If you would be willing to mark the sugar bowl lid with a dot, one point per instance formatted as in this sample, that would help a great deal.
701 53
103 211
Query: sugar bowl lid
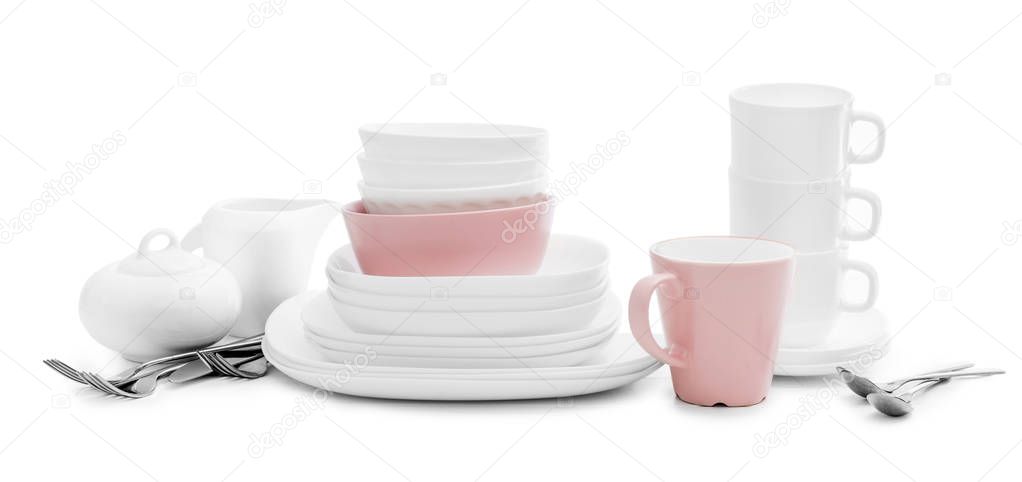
167 261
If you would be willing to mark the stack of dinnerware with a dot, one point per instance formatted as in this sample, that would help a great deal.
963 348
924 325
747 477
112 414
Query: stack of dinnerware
440 168
453 287
553 333
451 200
789 182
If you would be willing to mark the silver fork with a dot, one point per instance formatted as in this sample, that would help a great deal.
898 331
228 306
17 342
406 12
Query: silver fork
143 387
217 363
133 373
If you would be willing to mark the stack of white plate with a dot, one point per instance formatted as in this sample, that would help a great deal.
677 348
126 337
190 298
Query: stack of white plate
550 334
437 168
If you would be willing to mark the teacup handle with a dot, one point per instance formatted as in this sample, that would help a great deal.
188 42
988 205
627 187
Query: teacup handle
872 290
192 240
638 319
881 139
873 201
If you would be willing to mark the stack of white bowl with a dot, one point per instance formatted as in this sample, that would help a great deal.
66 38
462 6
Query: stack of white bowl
790 183
441 168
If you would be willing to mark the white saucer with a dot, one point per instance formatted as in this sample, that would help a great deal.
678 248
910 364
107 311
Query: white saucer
856 336
620 363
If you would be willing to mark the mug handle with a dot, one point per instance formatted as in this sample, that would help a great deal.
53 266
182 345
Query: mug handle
873 200
193 240
638 319
872 291
880 141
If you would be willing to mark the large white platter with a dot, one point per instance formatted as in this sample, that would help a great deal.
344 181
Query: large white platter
621 362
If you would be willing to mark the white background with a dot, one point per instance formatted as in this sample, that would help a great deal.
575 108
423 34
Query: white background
215 106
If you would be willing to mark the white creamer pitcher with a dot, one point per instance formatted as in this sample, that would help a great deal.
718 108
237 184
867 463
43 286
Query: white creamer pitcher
267 244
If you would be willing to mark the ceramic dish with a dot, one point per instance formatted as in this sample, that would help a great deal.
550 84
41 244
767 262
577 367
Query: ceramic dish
499 241
319 317
463 304
475 323
317 312
285 337
453 389
447 175
857 338
453 142
387 200
565 358
572 264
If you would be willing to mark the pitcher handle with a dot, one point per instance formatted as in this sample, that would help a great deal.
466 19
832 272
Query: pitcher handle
638 319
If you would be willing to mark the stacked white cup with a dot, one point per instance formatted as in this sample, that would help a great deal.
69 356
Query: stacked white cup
789 182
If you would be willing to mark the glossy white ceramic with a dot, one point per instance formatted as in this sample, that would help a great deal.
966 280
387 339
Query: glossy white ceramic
439 302
449 142
620 363
572 264
475 323
386 200
157 302
818 296
320 318
447 175
856 340
796 132
810 216
268 245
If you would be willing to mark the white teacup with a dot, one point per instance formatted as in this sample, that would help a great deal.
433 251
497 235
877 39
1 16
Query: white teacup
796 132
810 216
817 296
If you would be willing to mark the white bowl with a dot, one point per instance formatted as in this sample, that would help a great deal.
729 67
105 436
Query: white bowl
387 200
447 175
441 302
475 323
571 264
453 142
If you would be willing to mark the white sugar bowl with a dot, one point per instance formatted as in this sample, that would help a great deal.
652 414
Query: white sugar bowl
159 302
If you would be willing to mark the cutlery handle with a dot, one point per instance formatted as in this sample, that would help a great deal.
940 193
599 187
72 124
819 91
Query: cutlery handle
956 374
638 319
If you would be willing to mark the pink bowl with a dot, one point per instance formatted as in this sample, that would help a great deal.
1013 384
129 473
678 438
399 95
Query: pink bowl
503 241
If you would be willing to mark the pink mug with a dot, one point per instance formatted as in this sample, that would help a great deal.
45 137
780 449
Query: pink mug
722 300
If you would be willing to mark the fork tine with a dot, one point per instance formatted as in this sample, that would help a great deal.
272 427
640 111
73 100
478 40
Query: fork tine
235 371
94 383
108 387
225 367
63 369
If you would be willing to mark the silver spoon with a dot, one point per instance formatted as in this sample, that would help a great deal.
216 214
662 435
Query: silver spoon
863 386
897 406
901 404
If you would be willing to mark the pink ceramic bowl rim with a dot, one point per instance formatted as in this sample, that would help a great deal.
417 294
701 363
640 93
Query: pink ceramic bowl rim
790 256
357 209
